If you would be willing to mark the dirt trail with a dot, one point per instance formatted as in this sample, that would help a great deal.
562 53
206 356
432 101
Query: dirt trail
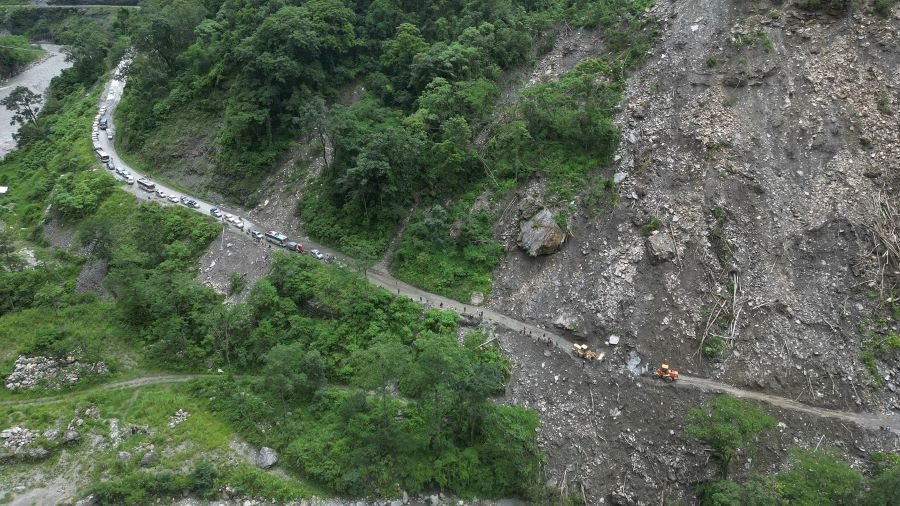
117 385
380 277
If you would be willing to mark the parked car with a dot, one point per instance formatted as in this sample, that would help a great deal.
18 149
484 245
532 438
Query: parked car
120 171
111 165
109 135
215 212
173 199
256 234
161 194
318 254
193 203
130 180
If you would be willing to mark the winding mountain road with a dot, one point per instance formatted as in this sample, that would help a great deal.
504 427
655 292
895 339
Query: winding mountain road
381 278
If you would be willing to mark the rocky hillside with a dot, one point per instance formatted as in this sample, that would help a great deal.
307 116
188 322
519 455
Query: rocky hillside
756 143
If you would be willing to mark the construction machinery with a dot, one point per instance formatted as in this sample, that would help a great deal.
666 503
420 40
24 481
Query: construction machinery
581 351
667 373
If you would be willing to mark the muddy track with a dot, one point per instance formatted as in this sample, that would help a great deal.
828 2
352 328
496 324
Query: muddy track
116 385
380 277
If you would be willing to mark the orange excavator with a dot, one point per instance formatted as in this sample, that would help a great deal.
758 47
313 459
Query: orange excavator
666 373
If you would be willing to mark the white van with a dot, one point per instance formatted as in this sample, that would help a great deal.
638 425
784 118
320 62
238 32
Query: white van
103 155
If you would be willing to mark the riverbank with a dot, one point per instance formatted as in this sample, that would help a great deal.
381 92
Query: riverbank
17 55
36 77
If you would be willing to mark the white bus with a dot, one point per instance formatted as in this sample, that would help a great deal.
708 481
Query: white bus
146 185
104 156
276 237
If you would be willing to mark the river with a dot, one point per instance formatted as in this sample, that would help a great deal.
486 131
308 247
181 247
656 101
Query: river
36 78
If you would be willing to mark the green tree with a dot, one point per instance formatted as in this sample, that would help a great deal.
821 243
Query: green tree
292 373
227 324
819 477
757 491
8 249
376 367
24 104
883 488
729 426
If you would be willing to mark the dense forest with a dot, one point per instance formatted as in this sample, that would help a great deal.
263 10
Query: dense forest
244 81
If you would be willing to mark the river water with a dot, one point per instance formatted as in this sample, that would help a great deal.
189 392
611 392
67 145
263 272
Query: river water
36 78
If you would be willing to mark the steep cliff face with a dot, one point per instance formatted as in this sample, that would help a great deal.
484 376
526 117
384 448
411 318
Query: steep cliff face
755 141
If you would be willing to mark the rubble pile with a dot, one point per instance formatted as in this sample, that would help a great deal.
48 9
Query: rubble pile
179 416
51 373
16 437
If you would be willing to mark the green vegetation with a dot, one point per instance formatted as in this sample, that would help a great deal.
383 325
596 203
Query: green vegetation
449 251
15 54
713 346
878 346
247 81
883 103
652 225
883 7
340 422
236 283
711 61
729 426
757 37
814 477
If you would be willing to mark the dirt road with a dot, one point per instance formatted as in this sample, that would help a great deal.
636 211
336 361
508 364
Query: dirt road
383 279
116 385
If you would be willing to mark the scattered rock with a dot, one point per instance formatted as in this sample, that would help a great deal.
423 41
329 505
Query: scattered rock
540 235
124 455
566 321
661 247
179 416
613 340
87 501
71 436
52 373
16 437
148 458
476 298
266 458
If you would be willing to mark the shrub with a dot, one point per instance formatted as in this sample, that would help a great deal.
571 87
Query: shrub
728 426
713 346
652 224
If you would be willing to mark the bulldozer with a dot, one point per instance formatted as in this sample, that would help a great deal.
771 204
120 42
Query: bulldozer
581 351
667 373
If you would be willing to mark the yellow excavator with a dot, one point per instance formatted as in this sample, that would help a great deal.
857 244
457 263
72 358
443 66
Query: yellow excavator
581 351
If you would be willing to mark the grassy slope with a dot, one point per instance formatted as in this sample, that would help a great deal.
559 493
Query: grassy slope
203 436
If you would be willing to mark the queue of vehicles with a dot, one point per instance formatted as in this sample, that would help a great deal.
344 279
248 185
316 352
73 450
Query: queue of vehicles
101 122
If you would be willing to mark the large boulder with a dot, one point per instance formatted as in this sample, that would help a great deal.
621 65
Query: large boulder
266 458
540 235
661 247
